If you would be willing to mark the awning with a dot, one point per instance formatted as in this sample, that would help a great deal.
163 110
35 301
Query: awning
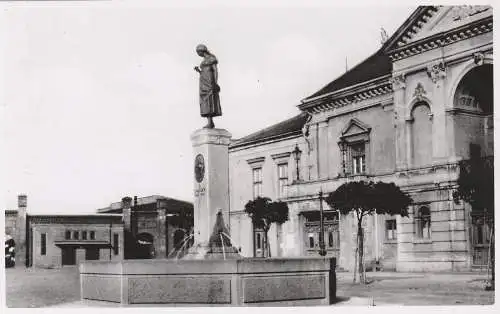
100 244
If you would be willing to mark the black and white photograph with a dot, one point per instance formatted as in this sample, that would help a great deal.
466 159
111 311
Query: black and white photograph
247 154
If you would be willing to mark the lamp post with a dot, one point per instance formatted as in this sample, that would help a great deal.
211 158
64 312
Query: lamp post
322 250
296 154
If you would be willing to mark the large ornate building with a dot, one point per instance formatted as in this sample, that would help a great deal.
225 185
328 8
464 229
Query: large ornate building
407 114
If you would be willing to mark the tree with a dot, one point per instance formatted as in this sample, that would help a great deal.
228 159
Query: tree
265 212
365 198
476 187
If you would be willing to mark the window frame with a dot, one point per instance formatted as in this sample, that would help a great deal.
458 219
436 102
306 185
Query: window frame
420 222
257 182
282 178
391 234
355 134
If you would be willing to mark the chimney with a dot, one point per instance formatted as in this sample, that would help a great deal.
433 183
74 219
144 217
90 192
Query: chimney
22 201
20 237
126 202
127 226
135 201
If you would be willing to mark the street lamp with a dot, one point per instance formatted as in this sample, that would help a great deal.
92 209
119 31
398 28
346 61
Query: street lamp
322 250
296 154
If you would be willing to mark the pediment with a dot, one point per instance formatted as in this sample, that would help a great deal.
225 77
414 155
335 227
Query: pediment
355 127
429 21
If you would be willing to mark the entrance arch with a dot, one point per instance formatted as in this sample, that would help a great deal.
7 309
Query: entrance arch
475 90
473 105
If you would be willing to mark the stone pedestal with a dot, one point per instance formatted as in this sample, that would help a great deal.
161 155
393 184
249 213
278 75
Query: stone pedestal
211 180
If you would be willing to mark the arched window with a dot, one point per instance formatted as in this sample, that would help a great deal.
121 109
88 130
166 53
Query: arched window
423 223
421 135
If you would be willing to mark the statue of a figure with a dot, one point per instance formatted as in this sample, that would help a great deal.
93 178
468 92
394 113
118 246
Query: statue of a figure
209 89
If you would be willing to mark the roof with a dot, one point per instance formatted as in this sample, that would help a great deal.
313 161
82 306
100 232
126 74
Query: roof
171 203
292 126
375 66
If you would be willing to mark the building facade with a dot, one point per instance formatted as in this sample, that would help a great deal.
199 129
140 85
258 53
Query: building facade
144 228
408 114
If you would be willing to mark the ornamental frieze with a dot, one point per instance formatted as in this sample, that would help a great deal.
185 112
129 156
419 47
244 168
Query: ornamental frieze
478 58
398 82
436 71
419 92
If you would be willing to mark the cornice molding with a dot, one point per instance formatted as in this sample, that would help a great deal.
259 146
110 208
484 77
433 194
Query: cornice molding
442 39
335 102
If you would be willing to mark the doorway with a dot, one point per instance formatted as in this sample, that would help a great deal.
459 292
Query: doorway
68 256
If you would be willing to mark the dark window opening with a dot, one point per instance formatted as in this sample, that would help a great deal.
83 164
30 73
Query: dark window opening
43 245
115 244
76 235
67 235
92 254
84 235
311 241
92 235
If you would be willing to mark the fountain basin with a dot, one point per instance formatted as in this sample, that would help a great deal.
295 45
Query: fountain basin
236 282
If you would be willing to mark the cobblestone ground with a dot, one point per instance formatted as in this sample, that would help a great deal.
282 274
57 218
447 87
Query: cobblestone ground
417 289
49 287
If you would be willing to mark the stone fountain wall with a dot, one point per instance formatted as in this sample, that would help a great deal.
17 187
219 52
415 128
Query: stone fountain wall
238 282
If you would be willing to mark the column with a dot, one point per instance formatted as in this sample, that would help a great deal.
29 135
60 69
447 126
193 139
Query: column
160 242
323 149
437 73
399 87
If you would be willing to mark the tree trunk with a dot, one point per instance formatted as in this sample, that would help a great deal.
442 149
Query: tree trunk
360 252
492 257
266 243
355 259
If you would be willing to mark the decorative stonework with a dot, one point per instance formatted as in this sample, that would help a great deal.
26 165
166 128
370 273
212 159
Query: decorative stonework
464 11
436 71
419 92
398 82
478 58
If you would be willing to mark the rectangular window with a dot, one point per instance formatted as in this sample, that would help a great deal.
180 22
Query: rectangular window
43 246
390 229
257 182
76 235
330 239
67 235
92 235
423 223
358 158
282 178
311 240
84 235
115 243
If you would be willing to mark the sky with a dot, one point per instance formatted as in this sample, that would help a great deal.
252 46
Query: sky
100 99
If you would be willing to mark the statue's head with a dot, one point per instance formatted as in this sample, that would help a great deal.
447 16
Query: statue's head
201 50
